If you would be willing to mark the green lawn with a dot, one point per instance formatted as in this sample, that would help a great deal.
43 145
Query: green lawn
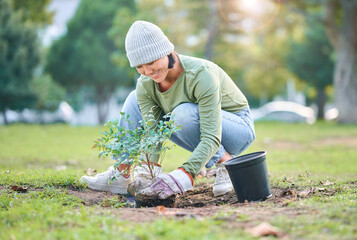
50 158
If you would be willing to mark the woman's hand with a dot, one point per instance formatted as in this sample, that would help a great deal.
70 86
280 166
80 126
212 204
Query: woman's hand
167 184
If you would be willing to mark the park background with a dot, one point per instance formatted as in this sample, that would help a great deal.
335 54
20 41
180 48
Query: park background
63 73
68 58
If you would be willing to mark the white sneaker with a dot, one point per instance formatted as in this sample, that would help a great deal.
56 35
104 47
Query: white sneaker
103 181
223 183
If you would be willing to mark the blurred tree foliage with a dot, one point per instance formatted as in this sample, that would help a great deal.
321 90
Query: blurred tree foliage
339 18
49 93
123 19
310 59
19 56
214 30
189 26
212 38
218 30
82 58
254 54
34 11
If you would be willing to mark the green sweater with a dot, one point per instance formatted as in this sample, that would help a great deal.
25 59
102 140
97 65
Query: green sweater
204 83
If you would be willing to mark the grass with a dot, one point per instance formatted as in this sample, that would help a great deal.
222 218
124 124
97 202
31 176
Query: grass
48 159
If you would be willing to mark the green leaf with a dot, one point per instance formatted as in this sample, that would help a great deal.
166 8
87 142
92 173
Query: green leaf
101 154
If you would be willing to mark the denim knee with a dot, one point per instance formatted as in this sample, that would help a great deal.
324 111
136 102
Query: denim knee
132 96
131 108
185 114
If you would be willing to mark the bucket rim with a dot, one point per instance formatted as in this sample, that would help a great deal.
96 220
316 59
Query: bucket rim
245 158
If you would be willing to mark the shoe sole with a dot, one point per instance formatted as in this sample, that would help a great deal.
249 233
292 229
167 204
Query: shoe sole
112 189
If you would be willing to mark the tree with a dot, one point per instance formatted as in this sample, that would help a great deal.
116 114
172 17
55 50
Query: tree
34 11
311 61
82 58
339 18
344 40
18 57
260 50
49 93
123 19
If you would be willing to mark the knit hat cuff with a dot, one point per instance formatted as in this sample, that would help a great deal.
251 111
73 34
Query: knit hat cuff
150 53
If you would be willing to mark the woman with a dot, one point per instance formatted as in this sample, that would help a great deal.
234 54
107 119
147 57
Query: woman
214 114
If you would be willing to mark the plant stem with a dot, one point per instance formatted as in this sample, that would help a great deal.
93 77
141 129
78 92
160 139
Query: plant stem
149 165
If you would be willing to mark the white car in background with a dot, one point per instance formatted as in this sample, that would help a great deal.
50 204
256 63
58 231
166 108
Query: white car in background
284 111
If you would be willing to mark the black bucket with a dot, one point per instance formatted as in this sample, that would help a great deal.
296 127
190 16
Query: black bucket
249 176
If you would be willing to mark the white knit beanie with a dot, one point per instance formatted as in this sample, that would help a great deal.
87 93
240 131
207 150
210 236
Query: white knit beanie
145 42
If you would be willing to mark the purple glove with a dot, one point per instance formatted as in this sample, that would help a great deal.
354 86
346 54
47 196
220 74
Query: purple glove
167 184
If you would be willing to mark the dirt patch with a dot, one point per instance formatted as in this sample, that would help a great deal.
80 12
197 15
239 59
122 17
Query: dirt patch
90 197
245 212
200 204
242 215
346 141
200 196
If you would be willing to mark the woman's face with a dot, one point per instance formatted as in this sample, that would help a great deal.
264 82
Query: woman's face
156 70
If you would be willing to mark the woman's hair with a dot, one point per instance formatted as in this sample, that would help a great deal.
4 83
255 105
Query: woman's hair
171 60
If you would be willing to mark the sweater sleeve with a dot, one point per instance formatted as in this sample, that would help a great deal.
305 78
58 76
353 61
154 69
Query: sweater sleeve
208 94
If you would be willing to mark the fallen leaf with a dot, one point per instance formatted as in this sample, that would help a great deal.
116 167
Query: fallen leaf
19 188
264 229
286 203
161 210
288 180
304 193
328 183
329 193
91 172
289 192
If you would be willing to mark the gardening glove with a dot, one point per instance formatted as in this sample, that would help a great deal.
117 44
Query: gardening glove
143 178
167 184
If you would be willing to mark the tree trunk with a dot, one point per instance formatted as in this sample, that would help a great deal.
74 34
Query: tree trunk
102 101
4 116
321 101
102 108
346 86
212 29
345 81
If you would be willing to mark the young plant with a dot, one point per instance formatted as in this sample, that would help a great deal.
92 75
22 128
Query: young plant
144 144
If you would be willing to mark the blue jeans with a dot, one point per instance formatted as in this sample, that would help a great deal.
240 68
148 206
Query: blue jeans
237 128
